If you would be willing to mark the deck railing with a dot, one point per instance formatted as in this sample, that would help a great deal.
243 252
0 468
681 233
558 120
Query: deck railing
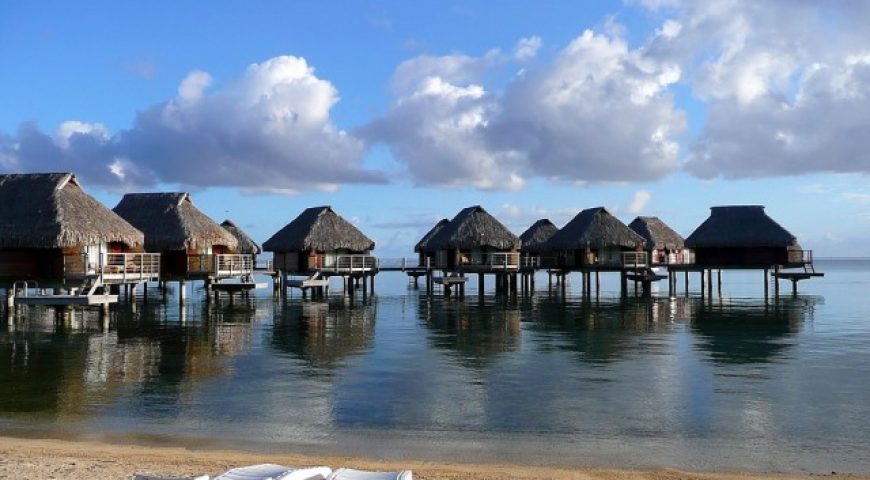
801 258
493 260
635 260
351 263
223 265
234 265
113 267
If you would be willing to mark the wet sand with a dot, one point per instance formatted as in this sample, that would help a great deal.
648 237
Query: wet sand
67 459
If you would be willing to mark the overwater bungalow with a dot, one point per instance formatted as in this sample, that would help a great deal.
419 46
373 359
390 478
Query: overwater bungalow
596 240
247 245
664 246
533 243
192 245
319 243
743 236
54 235
474 241
426 255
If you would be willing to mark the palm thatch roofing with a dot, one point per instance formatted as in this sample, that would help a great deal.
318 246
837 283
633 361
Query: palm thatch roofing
318 229
656 233
535 236
247 245
473 228
594 228
170 221
422 246
50 210
740 226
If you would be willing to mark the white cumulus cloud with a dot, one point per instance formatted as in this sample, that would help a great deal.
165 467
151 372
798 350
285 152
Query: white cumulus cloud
785 82
527 47
600 112
270 129
639 201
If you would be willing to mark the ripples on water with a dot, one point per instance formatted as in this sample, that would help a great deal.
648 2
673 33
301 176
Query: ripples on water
726 382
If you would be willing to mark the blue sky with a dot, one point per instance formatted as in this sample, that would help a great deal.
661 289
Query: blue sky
400 113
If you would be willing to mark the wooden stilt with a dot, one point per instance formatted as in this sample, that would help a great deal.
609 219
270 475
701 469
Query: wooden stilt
710 282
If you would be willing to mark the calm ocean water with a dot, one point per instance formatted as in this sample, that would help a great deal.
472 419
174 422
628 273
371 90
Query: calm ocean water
730 382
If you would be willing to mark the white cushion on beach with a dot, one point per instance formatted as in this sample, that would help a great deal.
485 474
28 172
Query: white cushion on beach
350 474
270 471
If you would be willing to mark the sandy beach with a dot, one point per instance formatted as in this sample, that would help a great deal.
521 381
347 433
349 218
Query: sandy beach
65 459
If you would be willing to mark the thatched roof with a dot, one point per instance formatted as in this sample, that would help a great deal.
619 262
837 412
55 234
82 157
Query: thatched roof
472 228
740 226
656 233
247 244
422 244
170 221
50 210
594 228
535 236
318 229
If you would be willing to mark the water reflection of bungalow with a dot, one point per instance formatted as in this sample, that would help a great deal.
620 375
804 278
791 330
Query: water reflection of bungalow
55 234
749 333
596 240
603 332
318 244
476 335
192 245
534 241
426 254
664 246
324 334
37 374
247 245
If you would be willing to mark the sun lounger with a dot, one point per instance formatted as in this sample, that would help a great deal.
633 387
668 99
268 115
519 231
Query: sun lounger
270 471
140 476
350 474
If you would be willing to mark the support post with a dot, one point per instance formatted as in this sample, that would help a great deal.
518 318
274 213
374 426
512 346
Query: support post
480 284
182 291
710 282
776 282
766 283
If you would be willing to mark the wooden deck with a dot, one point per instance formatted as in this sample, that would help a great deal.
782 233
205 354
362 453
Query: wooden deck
450 280
66 300
237 287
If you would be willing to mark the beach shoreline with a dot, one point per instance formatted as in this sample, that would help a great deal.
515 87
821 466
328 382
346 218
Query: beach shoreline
84 459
